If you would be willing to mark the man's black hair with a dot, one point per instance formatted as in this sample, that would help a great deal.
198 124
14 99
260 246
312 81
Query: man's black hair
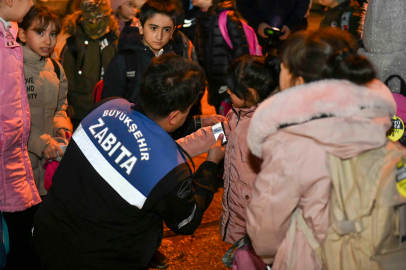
170 83
170 8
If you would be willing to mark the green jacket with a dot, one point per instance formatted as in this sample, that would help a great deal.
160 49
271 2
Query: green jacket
85 65
334 17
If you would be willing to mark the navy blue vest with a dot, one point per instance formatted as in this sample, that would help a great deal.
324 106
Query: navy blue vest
129 151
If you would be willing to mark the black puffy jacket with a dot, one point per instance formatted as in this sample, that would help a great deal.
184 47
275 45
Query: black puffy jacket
213 53
117 75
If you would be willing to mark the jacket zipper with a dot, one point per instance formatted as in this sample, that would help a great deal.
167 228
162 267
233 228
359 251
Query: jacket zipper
229 184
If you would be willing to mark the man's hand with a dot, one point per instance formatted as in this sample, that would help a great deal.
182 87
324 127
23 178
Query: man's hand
261 29
209 120
285 31
52 149
217 151
70 111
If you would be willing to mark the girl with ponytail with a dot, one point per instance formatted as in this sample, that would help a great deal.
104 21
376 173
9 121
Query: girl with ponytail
330 103
250 80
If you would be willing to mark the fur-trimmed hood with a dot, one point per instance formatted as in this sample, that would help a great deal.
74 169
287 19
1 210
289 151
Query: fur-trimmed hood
343 117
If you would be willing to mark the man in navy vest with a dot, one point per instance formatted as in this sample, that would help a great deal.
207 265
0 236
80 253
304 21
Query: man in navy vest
122 175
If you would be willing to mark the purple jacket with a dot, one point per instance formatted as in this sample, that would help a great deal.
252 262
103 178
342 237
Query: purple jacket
17 187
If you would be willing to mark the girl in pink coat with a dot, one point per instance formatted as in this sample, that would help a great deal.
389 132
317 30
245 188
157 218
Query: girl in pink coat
251 79
18 194
330 103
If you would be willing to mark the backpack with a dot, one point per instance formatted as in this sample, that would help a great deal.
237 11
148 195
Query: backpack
97 92
367 214
131 76
253 45
56 68
241 256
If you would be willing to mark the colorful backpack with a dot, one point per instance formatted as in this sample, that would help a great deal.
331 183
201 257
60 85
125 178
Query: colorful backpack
253 45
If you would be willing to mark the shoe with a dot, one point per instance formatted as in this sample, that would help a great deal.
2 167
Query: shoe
158 261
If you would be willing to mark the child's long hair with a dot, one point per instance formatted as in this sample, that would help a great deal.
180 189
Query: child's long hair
329 53
256 72
44 15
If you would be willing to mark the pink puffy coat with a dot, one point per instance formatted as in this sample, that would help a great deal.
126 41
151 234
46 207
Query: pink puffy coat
240 170
293 132
17 187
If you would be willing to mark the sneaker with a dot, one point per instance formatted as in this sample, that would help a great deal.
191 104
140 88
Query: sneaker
158 261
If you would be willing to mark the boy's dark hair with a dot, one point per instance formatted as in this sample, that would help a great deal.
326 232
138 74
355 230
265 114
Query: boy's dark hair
170 8
44 15
328 53
170 83
257 72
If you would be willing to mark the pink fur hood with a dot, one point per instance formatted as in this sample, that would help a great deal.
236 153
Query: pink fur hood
344 115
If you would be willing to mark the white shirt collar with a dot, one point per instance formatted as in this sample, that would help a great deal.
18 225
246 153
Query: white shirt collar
7 25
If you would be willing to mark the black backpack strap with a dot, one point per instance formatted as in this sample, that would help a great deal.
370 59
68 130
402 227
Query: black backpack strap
56 68
130 72
71 43
402 83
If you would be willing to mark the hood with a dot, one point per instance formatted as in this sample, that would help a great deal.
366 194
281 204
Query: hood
383 34
70 23
131 39
346 119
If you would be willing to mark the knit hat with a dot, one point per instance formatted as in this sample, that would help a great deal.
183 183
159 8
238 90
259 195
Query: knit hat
384 37
115 4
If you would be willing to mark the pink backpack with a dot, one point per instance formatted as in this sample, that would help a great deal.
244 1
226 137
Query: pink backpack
253 45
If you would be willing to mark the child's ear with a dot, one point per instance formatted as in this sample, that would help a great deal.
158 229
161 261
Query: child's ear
254 94
10 3
299 81
140 29
22 35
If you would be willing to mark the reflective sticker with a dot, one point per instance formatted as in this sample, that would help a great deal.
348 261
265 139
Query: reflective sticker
397 129
401 178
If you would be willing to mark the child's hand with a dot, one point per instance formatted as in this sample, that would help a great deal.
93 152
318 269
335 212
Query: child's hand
65 134
70 111
61 133
209 120
52 150
217 151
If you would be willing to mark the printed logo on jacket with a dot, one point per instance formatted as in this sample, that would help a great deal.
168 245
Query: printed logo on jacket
129 151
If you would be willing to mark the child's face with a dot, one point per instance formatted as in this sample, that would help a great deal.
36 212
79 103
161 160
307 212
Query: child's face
238 102
40 42
157 31
203 4
127 11
18 9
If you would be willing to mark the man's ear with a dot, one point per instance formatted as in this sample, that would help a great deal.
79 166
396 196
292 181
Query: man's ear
173 117
22 35
140 29
10 3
